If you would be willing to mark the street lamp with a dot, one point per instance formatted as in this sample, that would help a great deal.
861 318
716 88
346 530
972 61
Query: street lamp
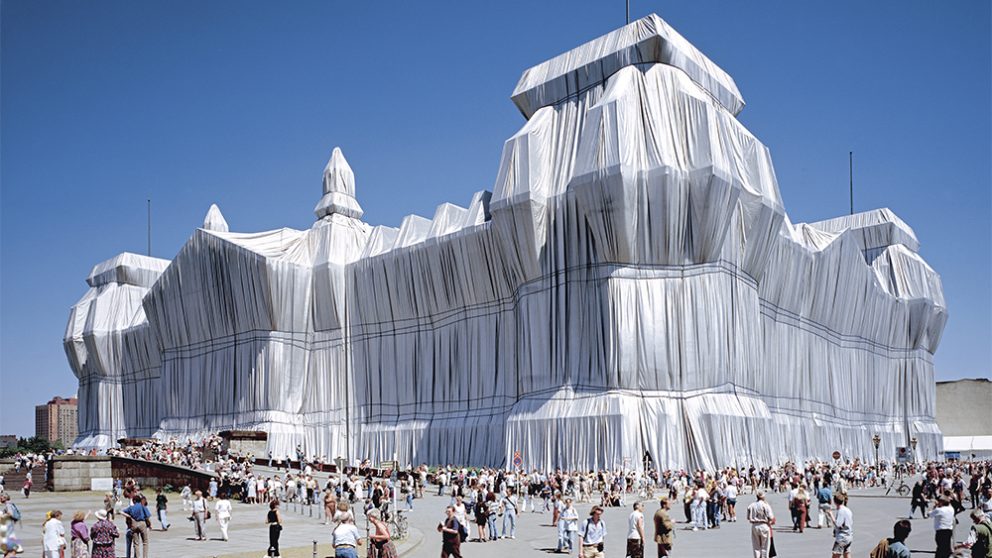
876 440
912 443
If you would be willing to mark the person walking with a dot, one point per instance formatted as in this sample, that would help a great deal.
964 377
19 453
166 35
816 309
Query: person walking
139 517
161 508
571 519
274 521
843 520
561 524
223 508
699 499
824 495
800 503
26 487
592 535
761 518
103 536
492 514
200 511
664 527
451 535
330 505
187 497
54 535
509 516
731 494
80 533
635 532
943 527
918 500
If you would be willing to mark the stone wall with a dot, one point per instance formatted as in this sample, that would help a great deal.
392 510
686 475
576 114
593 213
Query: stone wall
76 472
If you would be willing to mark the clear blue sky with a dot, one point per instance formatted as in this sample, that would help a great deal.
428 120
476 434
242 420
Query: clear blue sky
105 104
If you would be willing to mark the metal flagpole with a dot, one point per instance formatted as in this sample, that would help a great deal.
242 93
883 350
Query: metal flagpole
850 170
149 226
628 11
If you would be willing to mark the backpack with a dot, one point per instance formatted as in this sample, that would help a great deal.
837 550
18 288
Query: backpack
880 550
15 513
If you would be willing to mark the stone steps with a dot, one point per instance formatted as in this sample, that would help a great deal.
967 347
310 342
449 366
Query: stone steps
14 480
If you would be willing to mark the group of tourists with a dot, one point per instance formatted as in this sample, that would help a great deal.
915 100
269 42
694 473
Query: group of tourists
485 504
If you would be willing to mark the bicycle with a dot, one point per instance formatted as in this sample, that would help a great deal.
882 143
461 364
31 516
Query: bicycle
399 526
903 489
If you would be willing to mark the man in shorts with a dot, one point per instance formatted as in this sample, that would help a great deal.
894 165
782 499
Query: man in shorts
843 521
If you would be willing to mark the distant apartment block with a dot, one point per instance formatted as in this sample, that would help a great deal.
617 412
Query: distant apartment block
8 441
56 421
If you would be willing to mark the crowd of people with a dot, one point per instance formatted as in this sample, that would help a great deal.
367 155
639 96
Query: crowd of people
485 504
816 493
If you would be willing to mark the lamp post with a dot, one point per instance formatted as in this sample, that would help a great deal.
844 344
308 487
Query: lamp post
875 441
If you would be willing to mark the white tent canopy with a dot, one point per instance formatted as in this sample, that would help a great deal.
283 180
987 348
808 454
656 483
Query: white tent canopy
968 444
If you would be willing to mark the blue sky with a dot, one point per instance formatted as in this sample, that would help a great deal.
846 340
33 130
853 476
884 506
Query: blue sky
240 103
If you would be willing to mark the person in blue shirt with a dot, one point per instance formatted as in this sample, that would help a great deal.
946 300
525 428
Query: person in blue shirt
823 497
138 516
897 544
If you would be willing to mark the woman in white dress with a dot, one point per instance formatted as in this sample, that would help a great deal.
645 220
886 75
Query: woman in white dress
223 507
252 490
54 535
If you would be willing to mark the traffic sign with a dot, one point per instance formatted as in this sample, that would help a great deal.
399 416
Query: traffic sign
836 454
518 459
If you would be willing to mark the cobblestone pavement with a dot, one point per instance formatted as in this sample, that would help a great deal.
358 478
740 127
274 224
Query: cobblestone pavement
874 515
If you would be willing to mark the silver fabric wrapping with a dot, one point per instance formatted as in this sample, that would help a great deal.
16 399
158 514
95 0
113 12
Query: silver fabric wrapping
632 284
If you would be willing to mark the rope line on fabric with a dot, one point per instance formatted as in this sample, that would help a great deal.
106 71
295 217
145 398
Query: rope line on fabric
432 322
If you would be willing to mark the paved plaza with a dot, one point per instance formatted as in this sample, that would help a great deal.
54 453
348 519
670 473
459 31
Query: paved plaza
874 515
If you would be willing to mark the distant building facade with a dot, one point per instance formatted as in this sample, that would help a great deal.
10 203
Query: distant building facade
56 421
964 414
8 441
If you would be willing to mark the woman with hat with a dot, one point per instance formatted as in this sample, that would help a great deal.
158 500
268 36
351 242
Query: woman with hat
102 536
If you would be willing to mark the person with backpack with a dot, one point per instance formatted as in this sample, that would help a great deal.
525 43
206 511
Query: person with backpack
452 534
592 535
9 516
894 547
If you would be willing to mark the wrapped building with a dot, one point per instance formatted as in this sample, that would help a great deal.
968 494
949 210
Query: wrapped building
631 284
